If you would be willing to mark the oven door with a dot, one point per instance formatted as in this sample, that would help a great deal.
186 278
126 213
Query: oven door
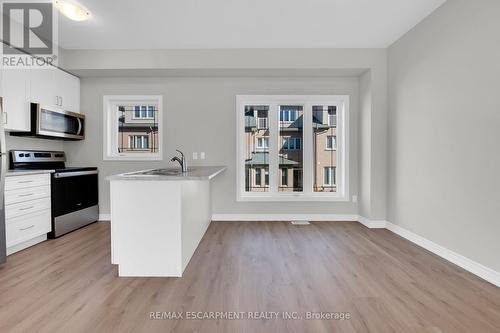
73 191
58 123
74 201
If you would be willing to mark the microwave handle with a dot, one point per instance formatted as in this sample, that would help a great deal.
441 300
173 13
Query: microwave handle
79 126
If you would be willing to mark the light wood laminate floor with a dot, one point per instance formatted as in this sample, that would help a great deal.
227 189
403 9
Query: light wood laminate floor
384 282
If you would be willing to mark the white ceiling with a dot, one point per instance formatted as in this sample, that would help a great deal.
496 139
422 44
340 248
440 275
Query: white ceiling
161 24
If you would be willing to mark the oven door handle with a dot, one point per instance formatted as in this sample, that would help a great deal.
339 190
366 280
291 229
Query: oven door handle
74 174
79 126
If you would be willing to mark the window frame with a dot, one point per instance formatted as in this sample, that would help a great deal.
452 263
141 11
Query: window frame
110 126
330 117
334 146
284 176
332 171
307 101
264 139
288 140
134 139
146 111
266 121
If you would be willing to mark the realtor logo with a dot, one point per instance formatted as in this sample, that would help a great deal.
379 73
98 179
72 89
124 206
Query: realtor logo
28 30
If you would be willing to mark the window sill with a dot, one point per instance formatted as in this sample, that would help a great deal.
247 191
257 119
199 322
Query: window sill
133 158
292 198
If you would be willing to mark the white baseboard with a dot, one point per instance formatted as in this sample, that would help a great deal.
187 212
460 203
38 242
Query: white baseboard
469 265
104 217
283 217
372 224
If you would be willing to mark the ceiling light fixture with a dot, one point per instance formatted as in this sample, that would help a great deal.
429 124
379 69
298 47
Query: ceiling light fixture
72 10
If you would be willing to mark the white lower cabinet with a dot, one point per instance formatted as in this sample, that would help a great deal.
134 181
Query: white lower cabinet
27 211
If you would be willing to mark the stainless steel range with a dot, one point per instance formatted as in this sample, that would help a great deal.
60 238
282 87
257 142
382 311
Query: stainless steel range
74 190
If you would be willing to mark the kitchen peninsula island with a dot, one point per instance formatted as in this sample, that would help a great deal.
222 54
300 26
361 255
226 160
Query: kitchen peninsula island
158 218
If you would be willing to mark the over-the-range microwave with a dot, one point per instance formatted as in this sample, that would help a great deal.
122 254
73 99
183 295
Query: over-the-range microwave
51 123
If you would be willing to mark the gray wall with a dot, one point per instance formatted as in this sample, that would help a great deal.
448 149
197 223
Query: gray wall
14 142
444 156
266 63
200 116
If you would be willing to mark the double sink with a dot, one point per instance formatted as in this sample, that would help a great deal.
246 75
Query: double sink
159 172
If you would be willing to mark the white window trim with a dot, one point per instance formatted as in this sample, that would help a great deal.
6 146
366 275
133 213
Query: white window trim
110 103
307 101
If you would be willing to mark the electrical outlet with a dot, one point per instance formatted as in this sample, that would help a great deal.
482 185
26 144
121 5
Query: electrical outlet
202 155
354 198
195 156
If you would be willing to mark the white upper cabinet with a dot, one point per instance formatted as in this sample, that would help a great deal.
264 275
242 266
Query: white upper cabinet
56 89
52 88
67 88
43 87
16 99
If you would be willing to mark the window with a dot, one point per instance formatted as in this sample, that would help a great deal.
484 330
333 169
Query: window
258 176
137 142
144 111
132 127
263 143
288 114
261 123
284 177
325 139
331 142
290 143
332 116
292 148
329 176
261 177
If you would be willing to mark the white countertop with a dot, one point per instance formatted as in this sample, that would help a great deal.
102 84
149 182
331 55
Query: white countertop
11 173
195 173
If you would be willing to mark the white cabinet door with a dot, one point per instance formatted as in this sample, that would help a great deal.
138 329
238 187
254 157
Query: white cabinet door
16 92
74 96
43 89
68 90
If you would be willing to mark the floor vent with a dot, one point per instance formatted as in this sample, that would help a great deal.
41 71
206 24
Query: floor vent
300 222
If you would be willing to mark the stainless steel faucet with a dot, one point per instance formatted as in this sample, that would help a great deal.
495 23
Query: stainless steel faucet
182 161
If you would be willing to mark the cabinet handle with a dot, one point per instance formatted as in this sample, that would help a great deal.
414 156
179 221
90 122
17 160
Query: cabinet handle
61 100
25 181
26 208
31 226
5 121
25 195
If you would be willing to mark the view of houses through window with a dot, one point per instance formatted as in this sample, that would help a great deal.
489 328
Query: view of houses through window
257 148
137 129
324 120
291 147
